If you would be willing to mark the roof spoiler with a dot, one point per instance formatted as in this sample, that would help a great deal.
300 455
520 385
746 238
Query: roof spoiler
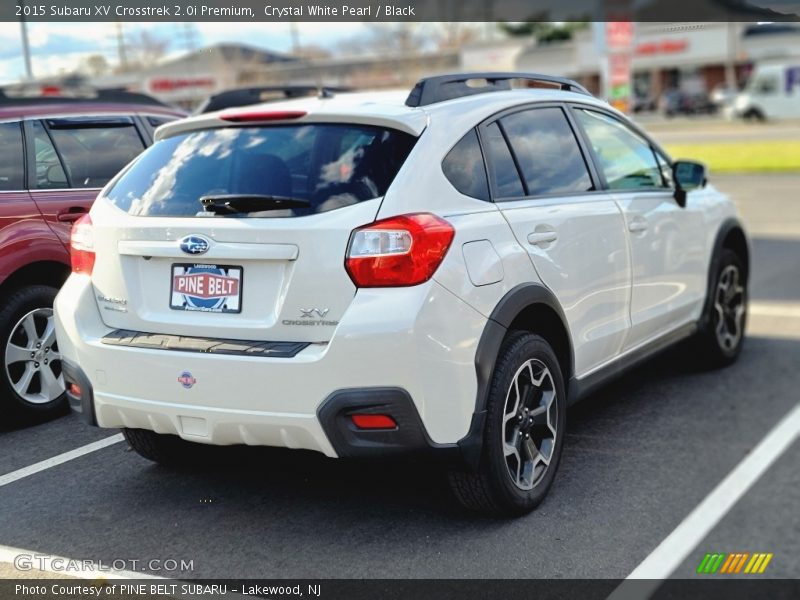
258 95
431 90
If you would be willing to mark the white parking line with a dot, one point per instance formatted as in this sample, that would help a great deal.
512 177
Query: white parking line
677 546
60 459
789 310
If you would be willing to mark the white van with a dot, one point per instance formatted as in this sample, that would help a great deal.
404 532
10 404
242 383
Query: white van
773 92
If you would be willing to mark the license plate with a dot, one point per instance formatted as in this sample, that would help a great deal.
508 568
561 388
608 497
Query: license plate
206 288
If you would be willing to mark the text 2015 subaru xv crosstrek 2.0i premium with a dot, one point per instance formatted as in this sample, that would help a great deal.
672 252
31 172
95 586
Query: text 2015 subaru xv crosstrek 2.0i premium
369 275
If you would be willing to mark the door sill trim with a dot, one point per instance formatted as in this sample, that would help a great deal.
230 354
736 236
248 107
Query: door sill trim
581 387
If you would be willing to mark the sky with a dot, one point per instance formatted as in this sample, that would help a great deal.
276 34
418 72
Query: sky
59 47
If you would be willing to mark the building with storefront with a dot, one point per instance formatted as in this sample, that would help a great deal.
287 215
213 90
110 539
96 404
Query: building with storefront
695 58
189 79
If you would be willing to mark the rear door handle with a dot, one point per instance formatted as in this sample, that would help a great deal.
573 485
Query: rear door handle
637 225
73 213
541 238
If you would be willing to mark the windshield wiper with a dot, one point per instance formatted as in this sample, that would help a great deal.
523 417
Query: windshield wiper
222 204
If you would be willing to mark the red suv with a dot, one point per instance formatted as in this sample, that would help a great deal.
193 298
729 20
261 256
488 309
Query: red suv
55 155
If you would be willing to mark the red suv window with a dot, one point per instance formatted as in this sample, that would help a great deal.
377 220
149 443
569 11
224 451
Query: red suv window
12 170
90 151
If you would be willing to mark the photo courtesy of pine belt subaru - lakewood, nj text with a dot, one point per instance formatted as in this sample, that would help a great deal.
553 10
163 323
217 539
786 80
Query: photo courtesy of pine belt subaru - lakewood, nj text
369 275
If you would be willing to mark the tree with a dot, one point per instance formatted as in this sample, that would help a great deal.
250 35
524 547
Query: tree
544 31
94 65
144 50
390 39
454 35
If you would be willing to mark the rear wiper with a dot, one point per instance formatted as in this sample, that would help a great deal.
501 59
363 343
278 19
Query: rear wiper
222 204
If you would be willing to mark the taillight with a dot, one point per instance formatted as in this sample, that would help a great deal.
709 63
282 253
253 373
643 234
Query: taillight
399 251
82 246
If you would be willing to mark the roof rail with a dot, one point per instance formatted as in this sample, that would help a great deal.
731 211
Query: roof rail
18 96
439 88
257 95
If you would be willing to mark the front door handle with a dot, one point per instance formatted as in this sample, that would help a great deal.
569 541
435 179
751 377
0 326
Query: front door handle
542 238
637 225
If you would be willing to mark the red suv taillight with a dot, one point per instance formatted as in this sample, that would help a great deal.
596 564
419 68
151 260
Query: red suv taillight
82 246
399 251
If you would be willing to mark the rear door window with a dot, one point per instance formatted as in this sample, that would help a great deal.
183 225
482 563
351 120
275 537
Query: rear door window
49 170
12 167
91 150
547 152
325 166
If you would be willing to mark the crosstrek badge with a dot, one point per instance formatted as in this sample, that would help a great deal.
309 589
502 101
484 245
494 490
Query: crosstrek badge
209 288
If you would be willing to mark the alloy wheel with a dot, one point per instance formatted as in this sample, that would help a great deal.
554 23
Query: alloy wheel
729 308
530 421
32 359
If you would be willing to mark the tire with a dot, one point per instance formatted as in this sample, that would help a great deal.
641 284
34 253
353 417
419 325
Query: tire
500 486
168 450
719 342
31 384
754 115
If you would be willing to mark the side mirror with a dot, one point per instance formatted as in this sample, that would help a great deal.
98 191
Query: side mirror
688 175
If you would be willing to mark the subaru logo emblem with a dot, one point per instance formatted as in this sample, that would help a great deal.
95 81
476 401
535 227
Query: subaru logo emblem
195 244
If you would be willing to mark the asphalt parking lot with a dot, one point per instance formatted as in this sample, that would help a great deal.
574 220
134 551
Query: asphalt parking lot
639 457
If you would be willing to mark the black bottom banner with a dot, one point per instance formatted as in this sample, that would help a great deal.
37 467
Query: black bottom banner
390 589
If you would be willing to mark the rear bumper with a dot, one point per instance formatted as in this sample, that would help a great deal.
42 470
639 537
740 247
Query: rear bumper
421 341
409 437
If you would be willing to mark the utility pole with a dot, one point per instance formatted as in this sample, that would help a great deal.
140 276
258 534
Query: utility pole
26 50
731 57
121 53
295 34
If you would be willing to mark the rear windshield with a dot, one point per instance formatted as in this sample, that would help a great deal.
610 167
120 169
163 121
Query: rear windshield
326 165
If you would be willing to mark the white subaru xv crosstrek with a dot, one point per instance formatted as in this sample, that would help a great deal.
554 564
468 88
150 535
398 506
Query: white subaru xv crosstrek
370 275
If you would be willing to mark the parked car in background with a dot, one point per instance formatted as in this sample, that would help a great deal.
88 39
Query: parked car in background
678 102
723 96
772 92
644 103
56 152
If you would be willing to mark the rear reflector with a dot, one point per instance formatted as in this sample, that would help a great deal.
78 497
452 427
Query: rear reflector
373 421
74 390
262 115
